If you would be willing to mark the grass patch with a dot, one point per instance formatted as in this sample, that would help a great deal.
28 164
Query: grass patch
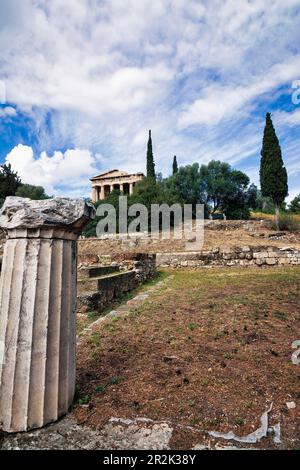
228 350
279 315
111 381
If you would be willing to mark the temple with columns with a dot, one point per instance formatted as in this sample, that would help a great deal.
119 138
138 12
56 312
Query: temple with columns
104 184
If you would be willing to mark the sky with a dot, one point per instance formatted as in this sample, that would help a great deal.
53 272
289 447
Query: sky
82 82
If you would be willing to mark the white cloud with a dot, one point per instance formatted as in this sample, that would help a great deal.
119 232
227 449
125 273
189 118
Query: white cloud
8 111
55 173
291 119
220 102
109 70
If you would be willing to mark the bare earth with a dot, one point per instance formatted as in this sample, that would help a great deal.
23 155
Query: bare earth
207 351
216 234
192 352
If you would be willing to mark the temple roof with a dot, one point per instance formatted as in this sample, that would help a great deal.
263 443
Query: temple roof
113 174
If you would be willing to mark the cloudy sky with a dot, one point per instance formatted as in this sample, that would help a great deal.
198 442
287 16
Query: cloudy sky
82 81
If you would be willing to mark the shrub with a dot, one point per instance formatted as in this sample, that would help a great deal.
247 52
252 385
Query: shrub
288 223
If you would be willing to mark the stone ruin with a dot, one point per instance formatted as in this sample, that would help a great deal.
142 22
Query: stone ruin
38 309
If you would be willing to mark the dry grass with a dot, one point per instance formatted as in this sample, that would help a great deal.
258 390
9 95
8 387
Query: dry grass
263 216
229 234
209 351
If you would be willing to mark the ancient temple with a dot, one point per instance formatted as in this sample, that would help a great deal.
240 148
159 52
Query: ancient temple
104 184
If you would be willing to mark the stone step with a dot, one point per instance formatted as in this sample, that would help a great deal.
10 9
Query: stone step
96 271
97 293
100 283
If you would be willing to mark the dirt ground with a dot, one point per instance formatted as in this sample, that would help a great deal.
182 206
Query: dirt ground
207 351
216 234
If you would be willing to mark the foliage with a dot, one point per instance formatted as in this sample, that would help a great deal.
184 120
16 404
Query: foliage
148 192
273 174
32 192
184 186
253 195
9 182
216 185
11 185
225 189
294 206
264 204
286 222
150 159
175 165
113 199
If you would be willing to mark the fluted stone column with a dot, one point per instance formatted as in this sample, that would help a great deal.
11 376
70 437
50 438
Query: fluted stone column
102 193
38 310
95 194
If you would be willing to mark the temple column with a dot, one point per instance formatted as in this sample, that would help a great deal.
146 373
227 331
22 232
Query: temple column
94 194
102 194
111 188
130 188
38 310
121 188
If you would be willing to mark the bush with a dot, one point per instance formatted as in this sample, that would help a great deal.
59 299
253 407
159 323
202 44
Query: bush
287 223
238 213
32 192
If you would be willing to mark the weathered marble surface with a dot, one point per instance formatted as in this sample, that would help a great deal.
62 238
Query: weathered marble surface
37 310
19 212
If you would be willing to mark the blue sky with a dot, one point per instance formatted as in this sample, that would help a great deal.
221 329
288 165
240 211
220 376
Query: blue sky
82 82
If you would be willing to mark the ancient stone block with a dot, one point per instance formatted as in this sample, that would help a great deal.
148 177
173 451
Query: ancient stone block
37 309
260 261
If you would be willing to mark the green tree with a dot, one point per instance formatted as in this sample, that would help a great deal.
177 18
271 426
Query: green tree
253 195
237 204
273 174
32 192
149 192
184 186
113 199
295 205
225 189
9 182
175 165
150 159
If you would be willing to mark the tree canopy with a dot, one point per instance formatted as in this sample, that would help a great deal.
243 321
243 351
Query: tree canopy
11 185
32 192
295 205
9 182
225 189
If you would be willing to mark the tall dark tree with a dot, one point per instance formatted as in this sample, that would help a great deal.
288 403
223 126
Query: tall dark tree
273 174
175 165
150 160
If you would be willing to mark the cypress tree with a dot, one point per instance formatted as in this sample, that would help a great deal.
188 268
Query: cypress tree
273 174
150 159
175 165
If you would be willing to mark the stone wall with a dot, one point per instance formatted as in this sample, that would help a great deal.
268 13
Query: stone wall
143 264
239 256
97 293
217 233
